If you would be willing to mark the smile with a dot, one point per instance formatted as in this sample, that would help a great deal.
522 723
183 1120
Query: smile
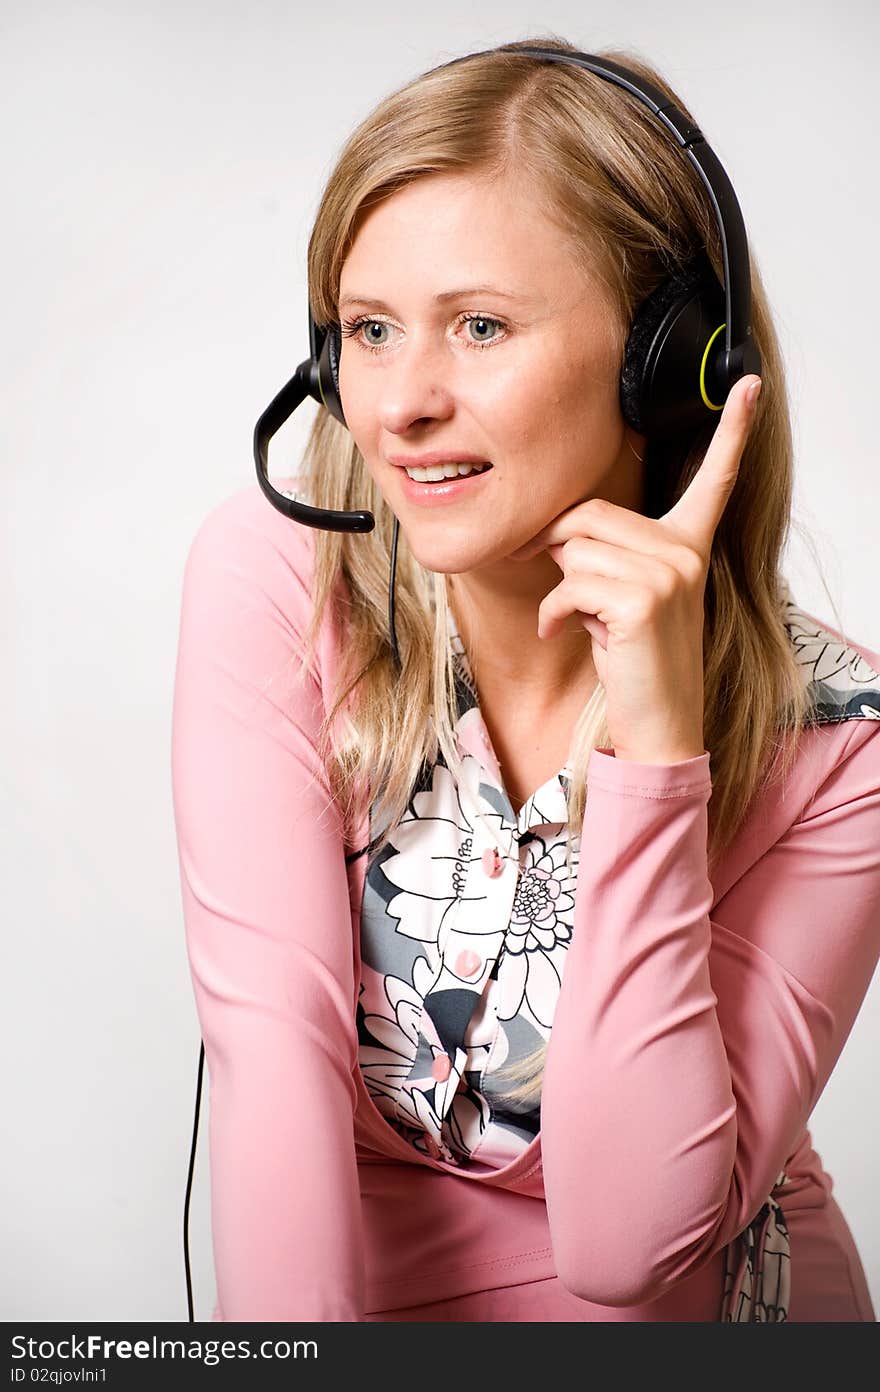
435 472
443 483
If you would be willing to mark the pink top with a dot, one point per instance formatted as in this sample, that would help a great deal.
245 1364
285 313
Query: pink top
363 1153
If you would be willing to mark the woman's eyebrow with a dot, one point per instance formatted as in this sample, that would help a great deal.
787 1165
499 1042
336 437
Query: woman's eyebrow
443 296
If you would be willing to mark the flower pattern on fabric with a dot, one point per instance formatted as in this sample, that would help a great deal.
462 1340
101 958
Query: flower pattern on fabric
465 928
843 685
540 929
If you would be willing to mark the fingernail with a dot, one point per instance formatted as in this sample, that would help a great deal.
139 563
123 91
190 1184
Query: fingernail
753 393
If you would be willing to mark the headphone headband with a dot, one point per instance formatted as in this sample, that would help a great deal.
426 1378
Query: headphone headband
728 215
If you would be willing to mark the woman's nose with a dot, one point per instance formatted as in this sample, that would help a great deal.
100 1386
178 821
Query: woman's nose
415 385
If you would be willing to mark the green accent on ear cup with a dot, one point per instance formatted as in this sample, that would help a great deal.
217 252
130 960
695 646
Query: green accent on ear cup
710 404
321 390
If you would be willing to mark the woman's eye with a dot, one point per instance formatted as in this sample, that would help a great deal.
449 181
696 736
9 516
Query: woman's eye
480 321
351 328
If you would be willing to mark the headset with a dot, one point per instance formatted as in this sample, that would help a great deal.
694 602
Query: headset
676 374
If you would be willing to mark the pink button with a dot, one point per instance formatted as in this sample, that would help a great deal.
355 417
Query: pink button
441 1067
492 862
467 963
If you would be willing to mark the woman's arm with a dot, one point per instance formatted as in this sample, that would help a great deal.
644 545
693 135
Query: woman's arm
686 1055
268 925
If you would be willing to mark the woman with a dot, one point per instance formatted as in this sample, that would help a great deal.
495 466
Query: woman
504 1018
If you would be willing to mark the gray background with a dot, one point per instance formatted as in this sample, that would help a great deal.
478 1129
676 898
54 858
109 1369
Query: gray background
162 166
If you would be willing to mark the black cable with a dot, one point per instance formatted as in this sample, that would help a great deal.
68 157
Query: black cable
189 1178
391 581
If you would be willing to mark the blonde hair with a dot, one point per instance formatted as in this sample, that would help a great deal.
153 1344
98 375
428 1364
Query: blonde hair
613 180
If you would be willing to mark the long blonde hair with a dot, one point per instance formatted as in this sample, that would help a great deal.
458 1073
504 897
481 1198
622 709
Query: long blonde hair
633 207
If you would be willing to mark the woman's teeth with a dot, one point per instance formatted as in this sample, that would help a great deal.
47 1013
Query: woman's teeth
435 472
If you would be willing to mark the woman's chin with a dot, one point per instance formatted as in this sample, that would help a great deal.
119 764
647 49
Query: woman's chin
461 561
444 564
446 553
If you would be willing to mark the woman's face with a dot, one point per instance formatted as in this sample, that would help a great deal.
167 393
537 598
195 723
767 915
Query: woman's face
523 374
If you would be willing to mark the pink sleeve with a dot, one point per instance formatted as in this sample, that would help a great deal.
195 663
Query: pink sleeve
687 1054
268 926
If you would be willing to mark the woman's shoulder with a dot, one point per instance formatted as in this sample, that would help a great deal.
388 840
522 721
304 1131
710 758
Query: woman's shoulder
249 567
245 522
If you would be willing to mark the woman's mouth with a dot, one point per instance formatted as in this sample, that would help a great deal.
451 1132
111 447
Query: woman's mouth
441 483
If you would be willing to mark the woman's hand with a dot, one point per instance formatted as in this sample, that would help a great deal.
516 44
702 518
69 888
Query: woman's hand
637 585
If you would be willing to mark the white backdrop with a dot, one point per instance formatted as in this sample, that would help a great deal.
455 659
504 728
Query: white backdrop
162 167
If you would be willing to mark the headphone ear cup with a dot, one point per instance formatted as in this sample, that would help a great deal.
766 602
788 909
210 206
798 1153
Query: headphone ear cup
667 379
328 372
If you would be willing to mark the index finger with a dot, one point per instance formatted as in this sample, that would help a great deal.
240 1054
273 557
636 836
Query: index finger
699 510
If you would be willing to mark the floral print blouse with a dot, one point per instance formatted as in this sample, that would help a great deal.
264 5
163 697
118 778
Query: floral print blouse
461 971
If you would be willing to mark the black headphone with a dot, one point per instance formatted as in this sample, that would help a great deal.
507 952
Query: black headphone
677 369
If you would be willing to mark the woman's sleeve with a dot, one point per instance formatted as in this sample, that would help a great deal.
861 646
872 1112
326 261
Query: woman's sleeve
687 1052
268 925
